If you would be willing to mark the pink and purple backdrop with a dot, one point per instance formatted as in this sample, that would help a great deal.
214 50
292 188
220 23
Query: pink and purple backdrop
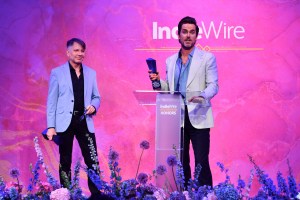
256 43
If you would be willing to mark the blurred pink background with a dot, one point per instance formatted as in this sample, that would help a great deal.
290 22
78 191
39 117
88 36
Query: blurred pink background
257 110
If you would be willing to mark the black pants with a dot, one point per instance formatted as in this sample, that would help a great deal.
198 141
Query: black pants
200 139
80 131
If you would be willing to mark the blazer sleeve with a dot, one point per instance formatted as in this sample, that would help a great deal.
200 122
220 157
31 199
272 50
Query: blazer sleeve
211 77
95 98
52 99
165 83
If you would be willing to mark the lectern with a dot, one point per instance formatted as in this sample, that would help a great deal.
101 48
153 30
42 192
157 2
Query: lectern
169 120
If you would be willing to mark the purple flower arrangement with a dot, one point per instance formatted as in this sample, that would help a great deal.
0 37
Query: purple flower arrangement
141 187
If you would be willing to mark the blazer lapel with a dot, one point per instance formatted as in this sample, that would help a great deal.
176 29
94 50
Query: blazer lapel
171 73
67 74
196 63
85 78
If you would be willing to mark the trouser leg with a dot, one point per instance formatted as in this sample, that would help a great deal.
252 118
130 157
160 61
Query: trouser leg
87 141
65 152
186 158
201 143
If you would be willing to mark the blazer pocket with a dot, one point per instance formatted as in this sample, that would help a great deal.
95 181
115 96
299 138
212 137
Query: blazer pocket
60 111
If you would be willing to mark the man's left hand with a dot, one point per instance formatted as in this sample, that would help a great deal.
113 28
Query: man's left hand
90 110
196 99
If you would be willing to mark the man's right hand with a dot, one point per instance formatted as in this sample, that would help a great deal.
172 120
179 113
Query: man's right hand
153 76
50 133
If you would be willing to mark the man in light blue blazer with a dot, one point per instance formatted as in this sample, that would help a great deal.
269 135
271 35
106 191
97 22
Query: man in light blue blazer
193 72
73 99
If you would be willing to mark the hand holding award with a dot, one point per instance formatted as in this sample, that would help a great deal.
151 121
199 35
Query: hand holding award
152 66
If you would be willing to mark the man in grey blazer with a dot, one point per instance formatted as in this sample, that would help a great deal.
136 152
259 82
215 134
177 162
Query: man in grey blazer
193 72
73 99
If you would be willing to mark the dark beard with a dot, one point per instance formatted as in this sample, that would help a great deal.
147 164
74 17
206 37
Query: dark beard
185 47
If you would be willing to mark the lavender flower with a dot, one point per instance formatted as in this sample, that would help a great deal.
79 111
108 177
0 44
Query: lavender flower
223 169
177 196
292 182
261 195
2 185
241 183
50 178
266 182
93 152
75 180
95 178
13 193
149 197
221 165
249 184
144 144
115 178
128 188
282 186
195 183
14 173
201 192
172 161
179 176
161 170
77 194
145 190
159 194
142 178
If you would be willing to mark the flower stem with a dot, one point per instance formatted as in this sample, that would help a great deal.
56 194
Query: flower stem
174 178
139 164
167 180
19 187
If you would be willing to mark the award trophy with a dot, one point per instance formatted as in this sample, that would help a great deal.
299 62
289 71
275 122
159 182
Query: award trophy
152 66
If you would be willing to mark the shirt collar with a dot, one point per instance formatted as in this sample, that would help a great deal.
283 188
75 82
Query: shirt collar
190 54
73 70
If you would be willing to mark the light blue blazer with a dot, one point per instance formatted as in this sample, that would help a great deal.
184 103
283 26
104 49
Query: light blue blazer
60 102
202 81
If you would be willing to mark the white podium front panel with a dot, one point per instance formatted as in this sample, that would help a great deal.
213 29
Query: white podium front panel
168 134
169 120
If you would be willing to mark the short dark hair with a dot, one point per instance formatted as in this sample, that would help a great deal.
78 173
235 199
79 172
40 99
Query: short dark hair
188 20
77 40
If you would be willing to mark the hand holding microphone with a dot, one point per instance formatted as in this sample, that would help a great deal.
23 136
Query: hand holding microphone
50 133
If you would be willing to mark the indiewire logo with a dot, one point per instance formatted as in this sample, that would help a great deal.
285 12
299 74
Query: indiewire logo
207 31
168 109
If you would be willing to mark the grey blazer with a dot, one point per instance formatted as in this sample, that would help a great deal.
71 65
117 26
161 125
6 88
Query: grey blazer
202 81
60 102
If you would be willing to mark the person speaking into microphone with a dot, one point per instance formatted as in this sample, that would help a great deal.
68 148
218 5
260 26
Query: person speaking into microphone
193 72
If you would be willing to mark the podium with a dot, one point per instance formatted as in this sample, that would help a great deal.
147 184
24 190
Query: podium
169 120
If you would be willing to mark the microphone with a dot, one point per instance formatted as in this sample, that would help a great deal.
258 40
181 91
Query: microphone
55 138
152 66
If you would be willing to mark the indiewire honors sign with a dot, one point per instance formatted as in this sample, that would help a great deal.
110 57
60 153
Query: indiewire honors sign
168 109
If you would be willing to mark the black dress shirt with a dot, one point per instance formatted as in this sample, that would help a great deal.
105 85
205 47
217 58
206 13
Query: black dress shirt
78 91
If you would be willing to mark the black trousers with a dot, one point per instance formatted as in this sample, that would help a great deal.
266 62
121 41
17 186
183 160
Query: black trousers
78 129
200 139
